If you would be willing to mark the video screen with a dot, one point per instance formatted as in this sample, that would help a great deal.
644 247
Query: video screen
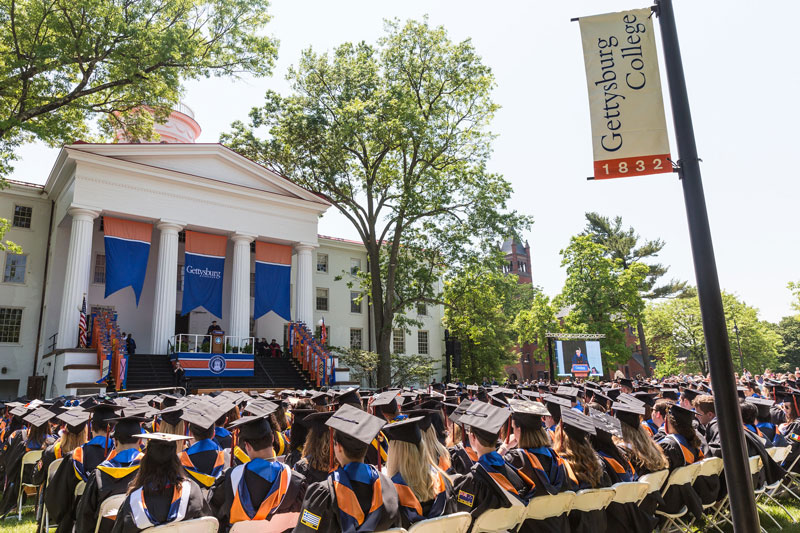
579 358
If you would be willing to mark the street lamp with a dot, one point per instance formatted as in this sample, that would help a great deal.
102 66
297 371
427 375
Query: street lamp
741 359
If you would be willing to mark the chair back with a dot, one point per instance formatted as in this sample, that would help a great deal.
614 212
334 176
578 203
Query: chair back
503 519
756 464
109 509
206 524
451 523
681 476
278 523
711 466
79 488
550 505
630 492
593 499
779 453
655 480
51 470
29 458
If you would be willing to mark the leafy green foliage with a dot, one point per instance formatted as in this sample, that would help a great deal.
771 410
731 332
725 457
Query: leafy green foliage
406 369
395 137
533 323
602 295
789 330
795 288
480 305
675 328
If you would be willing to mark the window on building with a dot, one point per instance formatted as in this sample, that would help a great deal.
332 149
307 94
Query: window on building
322 299
22 216
322 263
101 226
15 268
179 284
10 324
508 267
422 342
355 302
181 236
355 266
99 269
422 309
252 284
356 338
523 266
399 341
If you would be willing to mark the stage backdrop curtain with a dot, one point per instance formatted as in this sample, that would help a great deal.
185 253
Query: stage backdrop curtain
127 245
273 275
204 265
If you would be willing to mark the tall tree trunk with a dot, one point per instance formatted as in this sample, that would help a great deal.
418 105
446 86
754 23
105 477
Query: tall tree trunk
643 344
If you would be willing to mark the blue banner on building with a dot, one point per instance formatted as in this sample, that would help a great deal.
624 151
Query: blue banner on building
203 272
127 245
273 280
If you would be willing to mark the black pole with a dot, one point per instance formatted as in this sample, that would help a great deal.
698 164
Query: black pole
737 471
550 357
738 345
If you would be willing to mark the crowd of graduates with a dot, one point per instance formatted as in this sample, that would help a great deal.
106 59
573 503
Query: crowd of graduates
325 461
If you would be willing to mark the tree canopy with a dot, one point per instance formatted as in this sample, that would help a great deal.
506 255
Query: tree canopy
395 135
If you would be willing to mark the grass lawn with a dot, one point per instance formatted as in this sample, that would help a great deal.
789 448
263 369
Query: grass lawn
28 524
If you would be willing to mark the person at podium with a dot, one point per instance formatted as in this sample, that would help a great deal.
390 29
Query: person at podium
579 358
213 327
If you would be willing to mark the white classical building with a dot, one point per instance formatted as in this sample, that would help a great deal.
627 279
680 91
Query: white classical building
176 186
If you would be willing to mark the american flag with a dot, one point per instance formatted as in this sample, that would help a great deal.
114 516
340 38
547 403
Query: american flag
323 332
82 326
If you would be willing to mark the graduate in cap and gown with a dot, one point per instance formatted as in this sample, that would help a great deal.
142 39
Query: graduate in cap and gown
297 436
491 483
112 476
73 436
424 491
203 460
356 497
462 455
682 447
315 464
535 458
262 488
160 492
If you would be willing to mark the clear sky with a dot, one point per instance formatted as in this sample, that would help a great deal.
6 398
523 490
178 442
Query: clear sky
742 75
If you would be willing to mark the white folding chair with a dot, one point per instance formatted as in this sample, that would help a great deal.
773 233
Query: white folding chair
716 512
655 480
451 523
588 500
79 488
206 524
497 520
30 458
630 492
277 523
756 465
549 506
51 471
109 509
683 475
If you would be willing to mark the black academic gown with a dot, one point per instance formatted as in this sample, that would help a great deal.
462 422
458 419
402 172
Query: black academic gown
105 481
410 506
678 496
16 449
222 498
50 454
623 516
792 434
158 506
312 475
551 479
772 471
461 459
320 513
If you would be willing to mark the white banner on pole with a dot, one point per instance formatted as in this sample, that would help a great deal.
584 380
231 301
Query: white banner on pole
629 131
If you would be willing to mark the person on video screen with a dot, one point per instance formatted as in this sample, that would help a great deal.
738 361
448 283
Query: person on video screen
579 358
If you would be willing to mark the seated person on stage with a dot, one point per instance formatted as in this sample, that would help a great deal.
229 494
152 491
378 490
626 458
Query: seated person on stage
385 404
536 460
355 497
492 483
112 476
262 488
274 349
73 436
79 466
315 464
160 492
203 460
424 490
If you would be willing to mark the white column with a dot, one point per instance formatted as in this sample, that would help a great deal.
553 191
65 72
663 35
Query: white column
304 309
240 286
76 279
166 287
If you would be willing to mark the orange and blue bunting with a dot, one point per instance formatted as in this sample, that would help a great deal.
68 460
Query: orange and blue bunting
273 275
127 245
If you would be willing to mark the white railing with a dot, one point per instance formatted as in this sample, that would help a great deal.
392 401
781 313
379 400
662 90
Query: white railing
235 344
185 109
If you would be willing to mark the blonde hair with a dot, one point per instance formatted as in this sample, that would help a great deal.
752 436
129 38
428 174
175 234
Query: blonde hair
70 441
532 437
644 452
177 429
435 448
580 455
413 463
456 436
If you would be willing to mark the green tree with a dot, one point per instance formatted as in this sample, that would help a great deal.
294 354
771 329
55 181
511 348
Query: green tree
395 137
795 288
789 330
65 63
625 245
406 369
534 322
602 295
676 330
480 304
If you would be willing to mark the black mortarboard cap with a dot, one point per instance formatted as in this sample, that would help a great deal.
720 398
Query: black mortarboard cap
252 427
356 424
554 405
162 437
575 422
626 382
647 397
127 426
386 400
39 417
670 394
763 405
103 413
604 423
408 430
691 394
682 414
75 419
567 392
628 413
203 417
19 412
485 419
261 407
172 415
317 420
459 411
320 398
425 414
527 414
350 396
613 393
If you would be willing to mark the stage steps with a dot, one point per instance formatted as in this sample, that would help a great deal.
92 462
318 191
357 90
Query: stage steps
147 371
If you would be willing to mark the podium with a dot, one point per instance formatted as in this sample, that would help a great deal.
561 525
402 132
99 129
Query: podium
217 342
580 371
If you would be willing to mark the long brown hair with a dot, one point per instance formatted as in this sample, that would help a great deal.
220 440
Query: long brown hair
532 437
580 455
644 453
159 468
684 430
317 448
